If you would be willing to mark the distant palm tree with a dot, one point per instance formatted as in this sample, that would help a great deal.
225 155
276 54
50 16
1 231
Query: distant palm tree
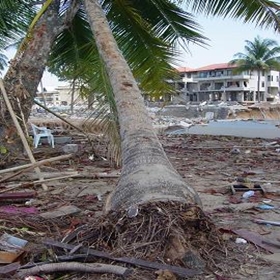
260 55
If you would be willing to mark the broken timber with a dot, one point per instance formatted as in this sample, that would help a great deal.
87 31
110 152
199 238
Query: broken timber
181 271
36 164
20 132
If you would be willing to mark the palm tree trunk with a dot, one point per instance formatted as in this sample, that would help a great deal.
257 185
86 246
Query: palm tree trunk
25 73
147 174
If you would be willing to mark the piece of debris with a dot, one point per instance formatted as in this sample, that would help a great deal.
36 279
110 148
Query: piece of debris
75 266
14 210
181 271
265 207
9 269
255 239
248 194
70 148
15 196
235 151
239 240
60 212
11 248
266 222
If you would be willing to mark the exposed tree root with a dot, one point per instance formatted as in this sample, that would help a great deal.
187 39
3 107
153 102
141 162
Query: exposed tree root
169 232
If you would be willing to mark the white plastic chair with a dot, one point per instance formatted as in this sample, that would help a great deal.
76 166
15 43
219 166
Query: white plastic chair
39 132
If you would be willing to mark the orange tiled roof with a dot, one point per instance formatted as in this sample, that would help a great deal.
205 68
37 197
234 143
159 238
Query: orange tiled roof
184 69
216 66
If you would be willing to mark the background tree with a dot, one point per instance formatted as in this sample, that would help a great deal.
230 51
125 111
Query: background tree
26 69
260 55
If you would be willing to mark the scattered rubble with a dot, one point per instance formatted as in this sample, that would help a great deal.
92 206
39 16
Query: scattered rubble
206 162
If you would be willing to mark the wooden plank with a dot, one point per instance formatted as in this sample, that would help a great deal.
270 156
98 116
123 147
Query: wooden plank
17 195
181 271
9 269
20 132
38 163
256 239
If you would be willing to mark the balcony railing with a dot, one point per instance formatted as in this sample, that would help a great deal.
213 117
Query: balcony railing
231 88
222 77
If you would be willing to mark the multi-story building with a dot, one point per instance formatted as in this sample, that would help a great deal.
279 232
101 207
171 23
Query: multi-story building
62 95
220 82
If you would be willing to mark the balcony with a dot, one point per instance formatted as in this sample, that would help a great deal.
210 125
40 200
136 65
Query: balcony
273 84
226 89
222 77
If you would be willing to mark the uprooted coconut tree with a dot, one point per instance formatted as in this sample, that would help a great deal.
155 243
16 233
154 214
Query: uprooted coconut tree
154 213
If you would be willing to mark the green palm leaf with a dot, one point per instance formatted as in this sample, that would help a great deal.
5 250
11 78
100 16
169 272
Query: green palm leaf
261 12
12 30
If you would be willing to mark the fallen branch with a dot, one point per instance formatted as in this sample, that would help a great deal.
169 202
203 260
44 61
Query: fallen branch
13 187
181 271
267 222
17 195
84 175
74 174
21 134
38 163
229 148
75 266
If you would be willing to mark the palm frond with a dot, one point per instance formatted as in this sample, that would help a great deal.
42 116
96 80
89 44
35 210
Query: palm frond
15 17
264 13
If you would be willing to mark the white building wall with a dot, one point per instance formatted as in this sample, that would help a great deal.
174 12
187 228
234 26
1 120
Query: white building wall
240 87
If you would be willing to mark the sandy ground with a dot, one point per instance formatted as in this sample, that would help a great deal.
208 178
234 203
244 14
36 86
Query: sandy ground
210 164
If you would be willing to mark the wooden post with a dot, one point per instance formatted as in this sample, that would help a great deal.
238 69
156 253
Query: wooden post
21 134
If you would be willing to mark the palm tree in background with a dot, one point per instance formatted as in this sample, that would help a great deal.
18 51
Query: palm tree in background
260 55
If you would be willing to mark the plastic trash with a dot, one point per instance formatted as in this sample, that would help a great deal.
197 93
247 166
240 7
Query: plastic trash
240 241
265 207
248 194
235 151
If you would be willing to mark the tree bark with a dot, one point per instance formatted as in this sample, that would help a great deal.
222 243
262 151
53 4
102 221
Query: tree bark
24 75
147 174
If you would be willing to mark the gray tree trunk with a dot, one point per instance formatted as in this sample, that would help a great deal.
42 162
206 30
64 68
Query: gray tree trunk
25 73
147 174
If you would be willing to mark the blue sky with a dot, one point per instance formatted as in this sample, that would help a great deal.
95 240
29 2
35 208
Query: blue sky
227 37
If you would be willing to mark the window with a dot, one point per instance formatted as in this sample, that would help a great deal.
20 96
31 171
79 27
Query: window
202 74
263 72
262 84
229 72
268 78
205 86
